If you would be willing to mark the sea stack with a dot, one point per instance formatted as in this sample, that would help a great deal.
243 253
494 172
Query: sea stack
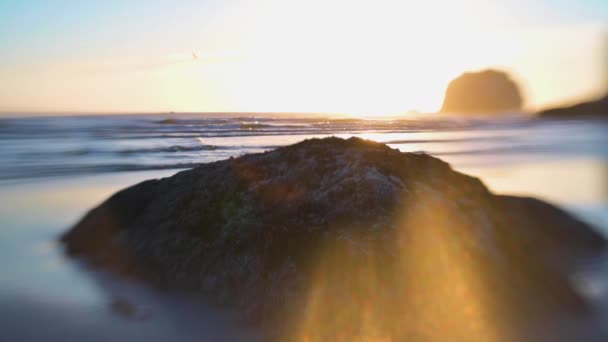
331 239
483 92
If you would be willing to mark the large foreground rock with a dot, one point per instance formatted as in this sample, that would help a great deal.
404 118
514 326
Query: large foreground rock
331 239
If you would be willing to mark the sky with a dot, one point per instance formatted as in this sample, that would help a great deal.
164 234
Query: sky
324 56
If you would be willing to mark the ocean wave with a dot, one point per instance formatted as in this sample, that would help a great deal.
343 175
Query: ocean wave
145 150
448 140
518 149
229 125
173 148
33 146
254 125
16 173
193 122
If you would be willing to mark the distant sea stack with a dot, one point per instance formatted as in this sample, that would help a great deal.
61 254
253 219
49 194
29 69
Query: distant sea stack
484 92
333 239
595 108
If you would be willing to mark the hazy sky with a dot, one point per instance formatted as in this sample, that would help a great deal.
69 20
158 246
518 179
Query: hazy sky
376 56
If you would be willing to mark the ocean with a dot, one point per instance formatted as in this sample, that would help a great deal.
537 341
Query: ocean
53 169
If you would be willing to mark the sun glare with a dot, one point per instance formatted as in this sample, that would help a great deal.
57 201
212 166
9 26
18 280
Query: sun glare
372 60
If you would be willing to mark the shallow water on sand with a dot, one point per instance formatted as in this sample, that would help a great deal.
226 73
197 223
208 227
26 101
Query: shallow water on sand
46 296
54 169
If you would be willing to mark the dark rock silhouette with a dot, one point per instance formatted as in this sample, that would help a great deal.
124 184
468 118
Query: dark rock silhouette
595 108
344 238
484 92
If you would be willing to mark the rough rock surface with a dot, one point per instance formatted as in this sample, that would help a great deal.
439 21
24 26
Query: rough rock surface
332 238
596 108
484 92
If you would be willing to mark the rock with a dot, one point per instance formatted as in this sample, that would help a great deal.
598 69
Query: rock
484 92
126 309
168 121
596 108
123 307
339 238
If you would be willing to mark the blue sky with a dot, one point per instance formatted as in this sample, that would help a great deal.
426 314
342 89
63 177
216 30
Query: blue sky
65 29
142 43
